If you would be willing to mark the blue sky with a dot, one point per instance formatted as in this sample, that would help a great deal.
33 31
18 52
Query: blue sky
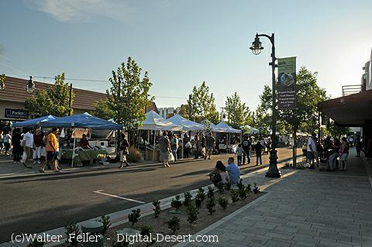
184 42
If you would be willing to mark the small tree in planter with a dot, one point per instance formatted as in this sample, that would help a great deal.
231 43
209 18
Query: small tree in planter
134 216
210 205
255 188
210 193
176 203
242 193
146 231
105 220
157 209
223 202
201 194
198 201
248 188
234 195
240 184
188 198
221 187
192 213
174 224
73 231
227 186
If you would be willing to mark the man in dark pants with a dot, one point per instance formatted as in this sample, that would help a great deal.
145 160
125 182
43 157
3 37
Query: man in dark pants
246 145
258 147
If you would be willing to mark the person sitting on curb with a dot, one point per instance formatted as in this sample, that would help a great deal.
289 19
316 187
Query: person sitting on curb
233 171
219 174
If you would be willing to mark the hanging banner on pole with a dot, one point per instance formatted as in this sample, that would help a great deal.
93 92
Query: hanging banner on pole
287 83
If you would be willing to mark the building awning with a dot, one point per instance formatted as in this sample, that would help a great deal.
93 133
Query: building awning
352 110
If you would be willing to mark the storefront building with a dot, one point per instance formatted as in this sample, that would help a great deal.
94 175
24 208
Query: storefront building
14 94
354 108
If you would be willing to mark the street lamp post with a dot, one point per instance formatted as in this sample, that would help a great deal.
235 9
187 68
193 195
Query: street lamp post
30 86
256 48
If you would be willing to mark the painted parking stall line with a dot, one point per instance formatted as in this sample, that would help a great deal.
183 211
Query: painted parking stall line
118 197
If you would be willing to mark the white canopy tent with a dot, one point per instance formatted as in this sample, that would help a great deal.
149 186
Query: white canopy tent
252 131
227 128
156 122
214 128
186 124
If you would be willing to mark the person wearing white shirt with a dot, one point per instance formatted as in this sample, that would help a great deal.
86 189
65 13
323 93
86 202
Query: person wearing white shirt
28 145
311 149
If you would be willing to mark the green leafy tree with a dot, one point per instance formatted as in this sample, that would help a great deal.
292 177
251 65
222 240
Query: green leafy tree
335 130
238 113
262 116
54 100
128 96
309 94
202 105
102 109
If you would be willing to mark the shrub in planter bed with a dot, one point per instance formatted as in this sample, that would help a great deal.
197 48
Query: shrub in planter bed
174 224
188 198
210 192
105 220
176 203
134 216
210 205
255 188
234 195
201 194
220 186
192 213
223 202
157 209
72 229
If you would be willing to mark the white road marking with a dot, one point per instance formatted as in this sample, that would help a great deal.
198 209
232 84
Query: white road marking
115 196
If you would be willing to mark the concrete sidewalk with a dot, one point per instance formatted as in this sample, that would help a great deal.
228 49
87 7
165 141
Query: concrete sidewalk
306 208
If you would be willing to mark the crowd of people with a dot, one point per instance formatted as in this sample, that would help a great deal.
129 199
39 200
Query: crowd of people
330 153
32 145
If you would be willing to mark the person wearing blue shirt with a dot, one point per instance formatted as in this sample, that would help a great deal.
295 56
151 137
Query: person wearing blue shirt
233 171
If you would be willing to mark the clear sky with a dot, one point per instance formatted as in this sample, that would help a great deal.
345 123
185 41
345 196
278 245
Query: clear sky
184 42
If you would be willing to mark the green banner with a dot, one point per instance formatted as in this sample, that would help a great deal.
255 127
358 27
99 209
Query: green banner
287 83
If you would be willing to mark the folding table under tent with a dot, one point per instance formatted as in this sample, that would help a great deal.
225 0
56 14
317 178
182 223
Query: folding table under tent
34 122
84 120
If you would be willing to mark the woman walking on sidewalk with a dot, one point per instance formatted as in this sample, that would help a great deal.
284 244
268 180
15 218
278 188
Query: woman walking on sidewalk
124 151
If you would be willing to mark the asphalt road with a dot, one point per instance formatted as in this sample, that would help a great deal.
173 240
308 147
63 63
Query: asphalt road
38 203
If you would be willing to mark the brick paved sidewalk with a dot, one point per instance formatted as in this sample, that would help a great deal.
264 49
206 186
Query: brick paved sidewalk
306 208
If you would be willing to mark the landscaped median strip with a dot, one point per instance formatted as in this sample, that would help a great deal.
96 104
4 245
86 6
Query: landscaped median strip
121 217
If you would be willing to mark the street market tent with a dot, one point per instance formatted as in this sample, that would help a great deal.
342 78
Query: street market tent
34 122
186 124
252 131
227 129
84 120
214 128
154 121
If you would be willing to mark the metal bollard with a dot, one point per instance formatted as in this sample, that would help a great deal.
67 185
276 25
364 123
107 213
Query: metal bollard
92 233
